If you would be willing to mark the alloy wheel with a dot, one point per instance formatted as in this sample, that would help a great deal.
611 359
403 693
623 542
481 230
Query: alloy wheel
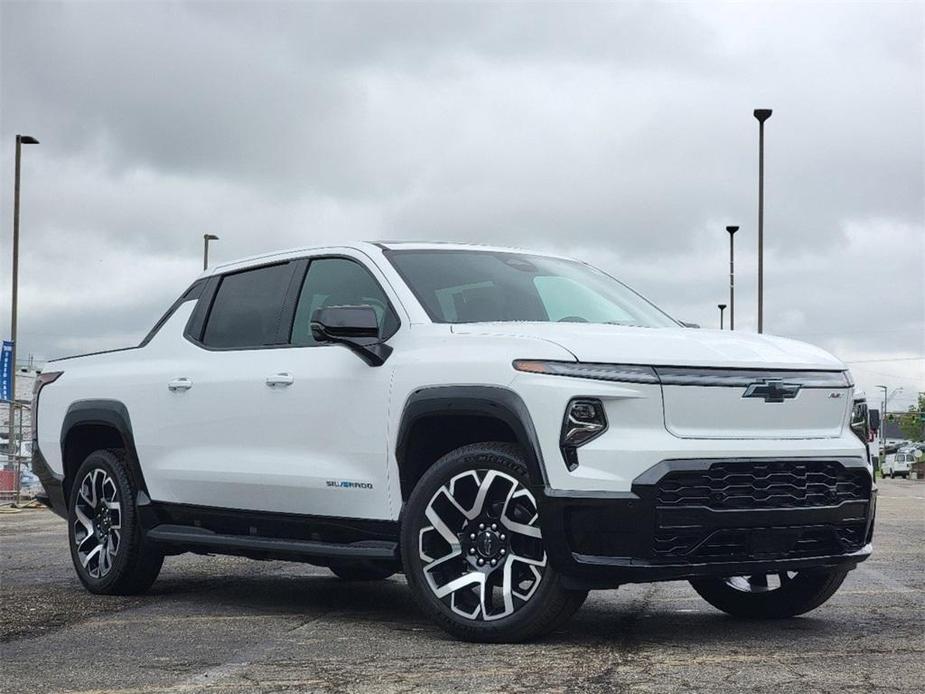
482 549
760 583
97 522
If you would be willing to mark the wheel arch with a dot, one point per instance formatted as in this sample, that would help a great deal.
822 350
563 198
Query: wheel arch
438 419
90 425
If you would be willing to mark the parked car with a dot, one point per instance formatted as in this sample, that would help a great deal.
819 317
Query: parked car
508 429
28 482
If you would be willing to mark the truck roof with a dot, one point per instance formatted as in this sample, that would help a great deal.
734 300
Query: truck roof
367 246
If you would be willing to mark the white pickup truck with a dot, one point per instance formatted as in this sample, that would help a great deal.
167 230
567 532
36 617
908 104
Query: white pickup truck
508 429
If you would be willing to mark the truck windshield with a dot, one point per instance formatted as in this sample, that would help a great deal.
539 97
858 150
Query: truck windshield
462 286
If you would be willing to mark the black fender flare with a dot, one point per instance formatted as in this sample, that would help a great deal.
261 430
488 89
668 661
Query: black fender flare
492 401
110 413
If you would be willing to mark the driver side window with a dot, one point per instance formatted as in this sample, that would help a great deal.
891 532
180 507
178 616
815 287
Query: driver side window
339 282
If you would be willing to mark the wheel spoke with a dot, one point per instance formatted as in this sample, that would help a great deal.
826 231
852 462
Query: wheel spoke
83 520
85 559
104 558
438 562
528 530
527 560
88 489
441 527
484 488
464 581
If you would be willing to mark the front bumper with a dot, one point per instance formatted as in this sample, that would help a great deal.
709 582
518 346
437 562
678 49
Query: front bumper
713 517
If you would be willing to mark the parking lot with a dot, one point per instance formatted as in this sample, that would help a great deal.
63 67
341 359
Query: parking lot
221 624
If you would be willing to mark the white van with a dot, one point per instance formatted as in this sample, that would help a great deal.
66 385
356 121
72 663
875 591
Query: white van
898 464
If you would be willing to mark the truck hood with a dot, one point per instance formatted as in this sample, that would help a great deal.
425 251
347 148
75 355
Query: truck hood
617 344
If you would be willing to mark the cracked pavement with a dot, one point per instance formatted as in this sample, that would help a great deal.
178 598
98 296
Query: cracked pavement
223 624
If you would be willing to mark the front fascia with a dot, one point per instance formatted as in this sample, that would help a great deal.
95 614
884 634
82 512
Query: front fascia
636 438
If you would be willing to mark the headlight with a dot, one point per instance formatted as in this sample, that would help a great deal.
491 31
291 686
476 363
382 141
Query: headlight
584 421
627 373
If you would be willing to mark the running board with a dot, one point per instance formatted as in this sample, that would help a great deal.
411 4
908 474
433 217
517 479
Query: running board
201 538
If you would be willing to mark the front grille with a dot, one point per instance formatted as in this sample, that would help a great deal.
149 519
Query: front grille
760 484
743 544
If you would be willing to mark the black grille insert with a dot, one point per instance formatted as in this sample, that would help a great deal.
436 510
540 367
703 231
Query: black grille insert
740 544
764 484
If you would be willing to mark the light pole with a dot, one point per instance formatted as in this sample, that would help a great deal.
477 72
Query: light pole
722 307
762 114
20 141
886 400
732 278
205 248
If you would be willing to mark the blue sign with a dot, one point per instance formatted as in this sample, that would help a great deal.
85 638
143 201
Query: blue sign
6 371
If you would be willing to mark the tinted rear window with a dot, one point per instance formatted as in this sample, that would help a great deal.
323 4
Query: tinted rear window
246 309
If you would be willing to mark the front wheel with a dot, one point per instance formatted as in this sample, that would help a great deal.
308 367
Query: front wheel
473 550
770 596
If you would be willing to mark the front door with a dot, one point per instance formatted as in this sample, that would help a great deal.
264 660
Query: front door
325 413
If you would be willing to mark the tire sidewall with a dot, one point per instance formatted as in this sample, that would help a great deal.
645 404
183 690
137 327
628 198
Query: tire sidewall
504 458
110 463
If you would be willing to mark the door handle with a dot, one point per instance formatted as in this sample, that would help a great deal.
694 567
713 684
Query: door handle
280 379
179 384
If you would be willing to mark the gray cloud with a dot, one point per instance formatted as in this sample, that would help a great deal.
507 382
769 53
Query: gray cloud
619 132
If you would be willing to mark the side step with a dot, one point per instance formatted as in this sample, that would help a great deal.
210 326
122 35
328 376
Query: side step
201 538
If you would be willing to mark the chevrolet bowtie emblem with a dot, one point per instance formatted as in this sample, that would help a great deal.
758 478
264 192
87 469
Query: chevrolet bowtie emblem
772 390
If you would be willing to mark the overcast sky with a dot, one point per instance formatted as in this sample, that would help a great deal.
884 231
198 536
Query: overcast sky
618 133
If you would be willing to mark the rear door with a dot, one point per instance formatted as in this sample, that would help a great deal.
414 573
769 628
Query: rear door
215 442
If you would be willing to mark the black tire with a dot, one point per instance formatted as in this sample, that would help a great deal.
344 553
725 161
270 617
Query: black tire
547 604
362 571
135 563
803 592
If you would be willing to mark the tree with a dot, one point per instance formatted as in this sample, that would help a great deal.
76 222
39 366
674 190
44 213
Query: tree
912 423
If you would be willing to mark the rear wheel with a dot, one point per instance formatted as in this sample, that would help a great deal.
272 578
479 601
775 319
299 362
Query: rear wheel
473 550
108 548
770 596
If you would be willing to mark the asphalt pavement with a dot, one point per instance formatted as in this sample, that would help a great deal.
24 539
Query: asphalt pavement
222 624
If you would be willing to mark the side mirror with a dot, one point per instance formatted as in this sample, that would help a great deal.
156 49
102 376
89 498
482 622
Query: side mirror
689 325
355 327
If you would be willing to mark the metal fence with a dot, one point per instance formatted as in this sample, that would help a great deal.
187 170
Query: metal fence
15 451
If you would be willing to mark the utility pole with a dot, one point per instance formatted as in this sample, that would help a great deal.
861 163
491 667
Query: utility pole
732 278
20 141
722 307
886 402
882 421
762 114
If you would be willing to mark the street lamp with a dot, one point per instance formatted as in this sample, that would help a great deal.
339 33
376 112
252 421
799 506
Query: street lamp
886 400
732 280
20 141
722 307
762 114
205 248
